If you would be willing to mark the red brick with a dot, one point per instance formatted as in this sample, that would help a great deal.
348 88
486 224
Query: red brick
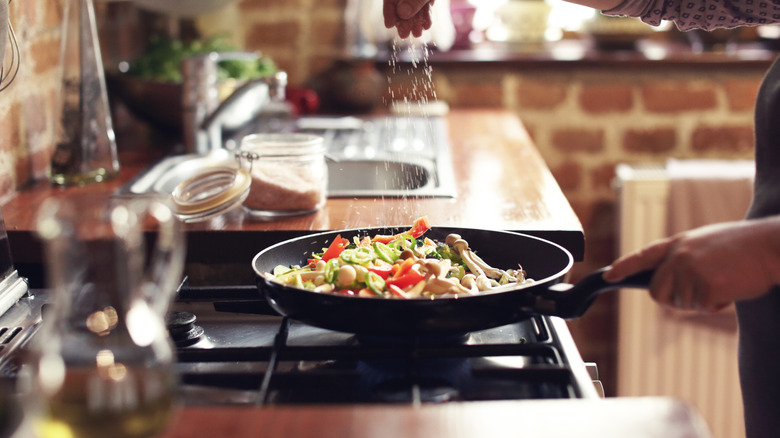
413 88
52 13
578 140
339 5
44 55
542 95
264 4
606 98
603 175
477 94
19 12
650 140
6 185
286 34
35 115
286 61
568 175
741 93
9 129
724 138
31 167
678 96
330 33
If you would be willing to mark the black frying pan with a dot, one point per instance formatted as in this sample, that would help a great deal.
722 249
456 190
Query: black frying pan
544 261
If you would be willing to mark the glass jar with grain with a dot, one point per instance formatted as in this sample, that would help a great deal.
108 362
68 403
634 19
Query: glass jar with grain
288 172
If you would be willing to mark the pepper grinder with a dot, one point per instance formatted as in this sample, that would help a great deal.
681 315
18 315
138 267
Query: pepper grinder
85 150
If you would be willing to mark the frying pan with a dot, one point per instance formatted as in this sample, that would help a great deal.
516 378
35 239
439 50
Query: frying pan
545 262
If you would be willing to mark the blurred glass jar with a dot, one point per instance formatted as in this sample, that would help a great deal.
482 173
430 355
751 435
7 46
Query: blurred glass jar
102 363
288 172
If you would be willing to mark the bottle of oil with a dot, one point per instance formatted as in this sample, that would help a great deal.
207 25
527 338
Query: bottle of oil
85 149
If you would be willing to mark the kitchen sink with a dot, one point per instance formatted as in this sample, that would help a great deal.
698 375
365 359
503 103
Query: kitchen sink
380 178
386 156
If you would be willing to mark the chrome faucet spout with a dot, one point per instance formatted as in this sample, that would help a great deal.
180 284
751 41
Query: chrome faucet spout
205 116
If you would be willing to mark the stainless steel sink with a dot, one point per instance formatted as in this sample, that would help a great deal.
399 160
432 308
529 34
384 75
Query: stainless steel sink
384 156
380 178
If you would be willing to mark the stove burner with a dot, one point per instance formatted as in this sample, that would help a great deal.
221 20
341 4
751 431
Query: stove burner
182 328
402 341
427 380
425 391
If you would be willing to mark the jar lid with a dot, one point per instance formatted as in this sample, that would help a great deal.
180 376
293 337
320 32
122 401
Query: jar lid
210 193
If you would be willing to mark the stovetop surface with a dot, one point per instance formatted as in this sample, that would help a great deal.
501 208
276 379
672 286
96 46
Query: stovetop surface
266 359
246 354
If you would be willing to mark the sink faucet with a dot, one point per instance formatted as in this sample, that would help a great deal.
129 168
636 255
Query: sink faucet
205 117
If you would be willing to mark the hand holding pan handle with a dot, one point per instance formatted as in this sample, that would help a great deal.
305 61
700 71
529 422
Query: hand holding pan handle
570 301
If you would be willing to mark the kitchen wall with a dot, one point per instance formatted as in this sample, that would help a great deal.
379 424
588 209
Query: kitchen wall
584 118
25 107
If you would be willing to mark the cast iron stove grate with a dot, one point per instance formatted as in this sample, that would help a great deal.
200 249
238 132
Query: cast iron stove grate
262 358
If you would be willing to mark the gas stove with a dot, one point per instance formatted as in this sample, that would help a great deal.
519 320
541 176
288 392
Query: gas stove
234 349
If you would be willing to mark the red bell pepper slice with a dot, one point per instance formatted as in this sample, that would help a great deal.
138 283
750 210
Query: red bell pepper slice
397 291
404 267
336 247
420 226
410 278
381 268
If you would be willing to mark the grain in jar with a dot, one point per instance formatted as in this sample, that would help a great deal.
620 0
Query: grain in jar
288 172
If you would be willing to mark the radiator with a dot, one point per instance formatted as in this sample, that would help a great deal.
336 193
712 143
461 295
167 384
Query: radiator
662 352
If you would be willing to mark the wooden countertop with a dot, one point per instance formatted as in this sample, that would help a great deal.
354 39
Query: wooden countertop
502 183
607 418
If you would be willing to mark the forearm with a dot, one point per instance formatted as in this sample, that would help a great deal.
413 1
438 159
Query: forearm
766 241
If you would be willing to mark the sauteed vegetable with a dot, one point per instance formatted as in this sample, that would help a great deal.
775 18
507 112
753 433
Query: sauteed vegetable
405 265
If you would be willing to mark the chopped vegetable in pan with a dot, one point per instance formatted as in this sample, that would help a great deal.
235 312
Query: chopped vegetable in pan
405 265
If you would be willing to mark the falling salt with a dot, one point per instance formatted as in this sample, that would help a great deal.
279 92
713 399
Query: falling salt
410 90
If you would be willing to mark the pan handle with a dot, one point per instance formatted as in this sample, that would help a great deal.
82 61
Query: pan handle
570 301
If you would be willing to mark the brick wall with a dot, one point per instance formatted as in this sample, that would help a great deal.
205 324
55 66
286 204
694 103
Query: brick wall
25 128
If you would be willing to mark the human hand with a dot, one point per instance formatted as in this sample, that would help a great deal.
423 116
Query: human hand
709 267
410 17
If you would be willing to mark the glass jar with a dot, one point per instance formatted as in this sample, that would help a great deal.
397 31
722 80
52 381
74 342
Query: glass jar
288 172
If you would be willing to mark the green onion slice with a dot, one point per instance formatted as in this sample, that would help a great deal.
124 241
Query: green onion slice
386 253
375 283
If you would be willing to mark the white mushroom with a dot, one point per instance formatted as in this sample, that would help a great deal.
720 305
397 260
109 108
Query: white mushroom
436 281
469 281
484 283
346 275
325 288
476 265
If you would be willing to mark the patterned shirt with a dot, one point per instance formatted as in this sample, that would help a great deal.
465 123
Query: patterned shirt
701 14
